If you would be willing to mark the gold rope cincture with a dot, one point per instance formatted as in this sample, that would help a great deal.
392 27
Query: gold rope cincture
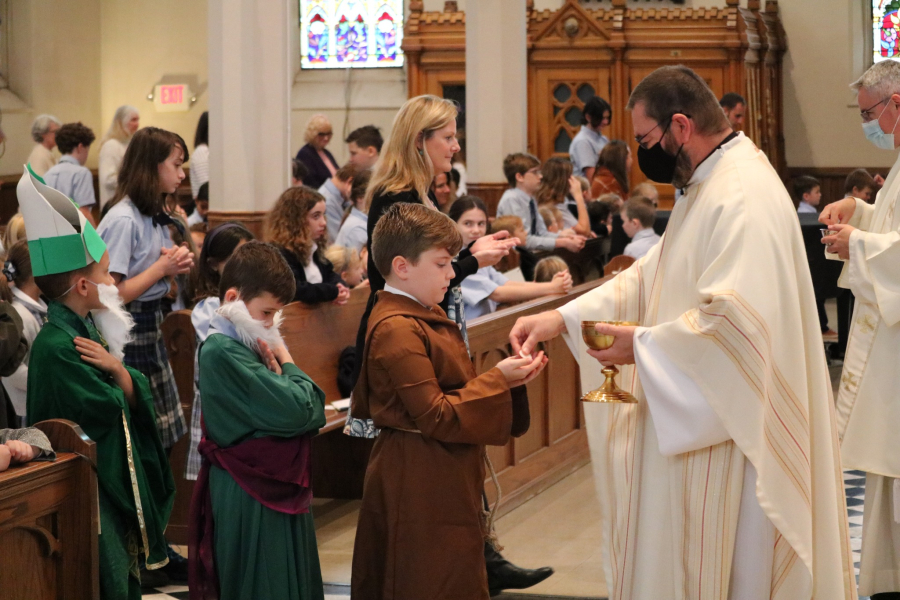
137 498
488 516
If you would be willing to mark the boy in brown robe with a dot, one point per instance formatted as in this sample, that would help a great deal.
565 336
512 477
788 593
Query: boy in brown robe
421 529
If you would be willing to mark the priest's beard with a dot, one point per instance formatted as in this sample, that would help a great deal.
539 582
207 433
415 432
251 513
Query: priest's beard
249 330
683 170
113 322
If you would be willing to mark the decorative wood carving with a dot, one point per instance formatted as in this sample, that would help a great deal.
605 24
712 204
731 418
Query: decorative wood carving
611 50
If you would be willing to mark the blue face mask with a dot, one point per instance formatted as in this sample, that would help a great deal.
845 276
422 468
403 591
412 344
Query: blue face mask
879 138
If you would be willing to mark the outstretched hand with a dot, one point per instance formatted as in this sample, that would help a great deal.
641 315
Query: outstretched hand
529 331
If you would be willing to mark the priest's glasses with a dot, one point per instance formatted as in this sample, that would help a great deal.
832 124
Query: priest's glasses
609 392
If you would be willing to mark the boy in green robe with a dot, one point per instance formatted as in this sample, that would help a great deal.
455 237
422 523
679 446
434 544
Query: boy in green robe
76 373
252 535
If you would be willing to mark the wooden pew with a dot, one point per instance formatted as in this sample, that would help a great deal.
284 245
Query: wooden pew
315 336
556 443
49 521
181 343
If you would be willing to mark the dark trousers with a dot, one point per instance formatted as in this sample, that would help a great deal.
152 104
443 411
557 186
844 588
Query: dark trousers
823 316
845 303
886 596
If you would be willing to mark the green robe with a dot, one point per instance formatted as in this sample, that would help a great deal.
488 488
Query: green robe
62 386
259 552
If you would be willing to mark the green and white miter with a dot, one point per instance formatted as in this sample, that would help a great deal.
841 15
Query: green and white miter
60 238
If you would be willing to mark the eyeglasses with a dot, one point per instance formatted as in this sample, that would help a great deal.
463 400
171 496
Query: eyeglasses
640 138
865 113
325 134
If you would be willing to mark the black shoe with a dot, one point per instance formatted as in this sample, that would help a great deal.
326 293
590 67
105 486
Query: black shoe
503 575
177 569
153 579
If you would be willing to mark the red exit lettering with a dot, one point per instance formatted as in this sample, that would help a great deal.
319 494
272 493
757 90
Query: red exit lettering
171 94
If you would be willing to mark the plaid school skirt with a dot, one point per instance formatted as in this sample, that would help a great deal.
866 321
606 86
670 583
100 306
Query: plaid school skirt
147 354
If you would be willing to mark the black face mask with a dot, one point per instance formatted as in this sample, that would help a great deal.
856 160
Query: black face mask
657 164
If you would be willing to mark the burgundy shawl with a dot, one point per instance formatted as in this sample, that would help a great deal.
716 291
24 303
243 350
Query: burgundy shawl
273 471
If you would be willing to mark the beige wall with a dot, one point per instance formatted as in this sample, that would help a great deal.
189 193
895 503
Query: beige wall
825 54
52 70
81 60
147 42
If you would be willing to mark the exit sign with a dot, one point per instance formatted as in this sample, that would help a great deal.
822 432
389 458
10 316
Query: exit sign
172 98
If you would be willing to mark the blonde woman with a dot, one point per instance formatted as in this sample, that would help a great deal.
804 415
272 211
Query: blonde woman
314 155
125 123
15 231
422 145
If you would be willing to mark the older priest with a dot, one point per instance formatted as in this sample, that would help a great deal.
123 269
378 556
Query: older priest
723 482
868 412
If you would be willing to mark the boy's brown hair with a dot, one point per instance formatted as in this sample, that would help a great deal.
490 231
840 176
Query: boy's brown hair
55 285
508 223
518 163
71 134
256 268
347 172
803 184
640 208
408 230
859 179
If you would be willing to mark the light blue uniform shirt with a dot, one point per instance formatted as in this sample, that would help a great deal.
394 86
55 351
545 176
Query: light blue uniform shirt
334 208
803 207
516 202
72 179
354 233
134 243
476 291
585 149
641 243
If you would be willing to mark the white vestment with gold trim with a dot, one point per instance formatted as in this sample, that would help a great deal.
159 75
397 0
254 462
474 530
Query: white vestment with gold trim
724 481
868 402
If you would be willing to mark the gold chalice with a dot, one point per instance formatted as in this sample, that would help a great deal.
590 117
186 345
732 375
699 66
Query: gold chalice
609 392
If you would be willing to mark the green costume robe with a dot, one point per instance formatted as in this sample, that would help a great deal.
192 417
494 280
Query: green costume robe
131 462
259 552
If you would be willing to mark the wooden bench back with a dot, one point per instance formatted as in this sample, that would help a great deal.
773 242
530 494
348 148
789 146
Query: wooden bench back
49 521
315 335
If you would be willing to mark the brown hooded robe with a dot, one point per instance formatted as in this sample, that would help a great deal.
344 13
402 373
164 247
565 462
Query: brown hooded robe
420 532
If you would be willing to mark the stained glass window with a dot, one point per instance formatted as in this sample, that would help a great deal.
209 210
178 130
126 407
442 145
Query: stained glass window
336 34
886 29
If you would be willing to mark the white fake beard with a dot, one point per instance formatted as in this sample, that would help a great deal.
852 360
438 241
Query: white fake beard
114 323
249 329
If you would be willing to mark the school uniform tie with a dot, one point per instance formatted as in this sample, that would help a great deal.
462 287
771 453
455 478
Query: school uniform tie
534 215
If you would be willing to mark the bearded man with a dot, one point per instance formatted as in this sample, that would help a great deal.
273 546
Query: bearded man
723 481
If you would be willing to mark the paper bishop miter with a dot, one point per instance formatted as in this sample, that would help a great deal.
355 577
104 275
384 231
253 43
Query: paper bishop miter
60 238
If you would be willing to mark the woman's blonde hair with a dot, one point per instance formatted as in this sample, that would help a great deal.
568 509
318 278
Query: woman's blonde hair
285 225
15 230
117 130
402 165
315 124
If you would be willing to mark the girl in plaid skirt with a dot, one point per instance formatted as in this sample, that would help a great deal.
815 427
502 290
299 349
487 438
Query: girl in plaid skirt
143 261
219 245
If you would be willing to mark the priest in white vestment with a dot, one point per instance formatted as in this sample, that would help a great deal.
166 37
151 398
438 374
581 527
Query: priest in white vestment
868 402
724 481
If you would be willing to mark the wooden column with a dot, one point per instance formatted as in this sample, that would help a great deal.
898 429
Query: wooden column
496 93
249 108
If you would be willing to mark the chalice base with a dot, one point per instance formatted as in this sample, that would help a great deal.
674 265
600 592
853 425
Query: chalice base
609 392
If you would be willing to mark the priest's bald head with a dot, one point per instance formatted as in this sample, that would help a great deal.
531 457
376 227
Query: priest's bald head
677 122
878 97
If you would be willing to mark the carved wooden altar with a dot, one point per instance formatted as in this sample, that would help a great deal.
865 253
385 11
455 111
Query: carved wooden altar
574 53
